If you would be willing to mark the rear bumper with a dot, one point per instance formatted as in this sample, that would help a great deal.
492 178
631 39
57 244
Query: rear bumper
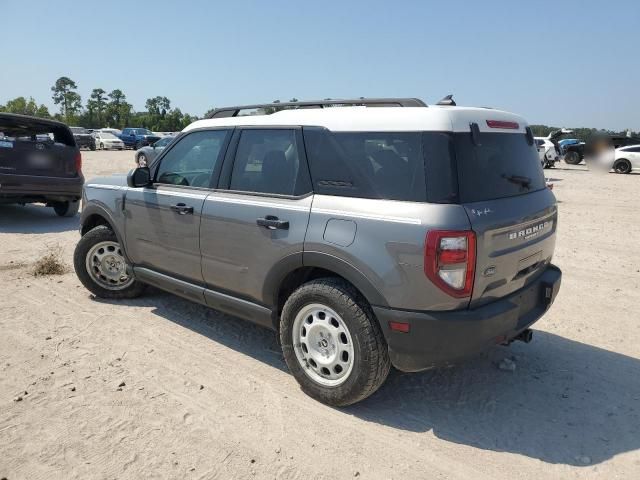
26 187
441 338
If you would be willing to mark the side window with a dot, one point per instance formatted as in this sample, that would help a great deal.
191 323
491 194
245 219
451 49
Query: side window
267 161
387 165
192 161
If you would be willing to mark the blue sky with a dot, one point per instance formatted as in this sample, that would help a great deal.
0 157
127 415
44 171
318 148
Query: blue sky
566 63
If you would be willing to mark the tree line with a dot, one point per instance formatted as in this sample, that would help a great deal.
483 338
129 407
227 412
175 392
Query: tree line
111 109
102 109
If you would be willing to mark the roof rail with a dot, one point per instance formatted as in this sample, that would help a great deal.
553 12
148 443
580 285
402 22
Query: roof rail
369 102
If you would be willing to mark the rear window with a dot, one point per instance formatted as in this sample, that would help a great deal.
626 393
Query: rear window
387 165
19 131
501 165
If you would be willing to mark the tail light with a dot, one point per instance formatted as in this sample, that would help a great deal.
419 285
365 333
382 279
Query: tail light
450 260
78 162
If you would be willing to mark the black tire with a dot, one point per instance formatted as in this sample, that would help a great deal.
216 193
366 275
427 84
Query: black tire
137 146
572 158
101 233
622 166
92 147
66 209
371 362
101 146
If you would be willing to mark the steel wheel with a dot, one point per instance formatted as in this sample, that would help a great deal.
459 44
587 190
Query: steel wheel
142 160
323 345
107 267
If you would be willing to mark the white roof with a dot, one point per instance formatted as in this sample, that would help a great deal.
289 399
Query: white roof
355 119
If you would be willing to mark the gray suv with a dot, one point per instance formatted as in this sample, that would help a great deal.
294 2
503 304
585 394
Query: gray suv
408 235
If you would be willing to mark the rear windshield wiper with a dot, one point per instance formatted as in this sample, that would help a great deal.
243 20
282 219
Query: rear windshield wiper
520 180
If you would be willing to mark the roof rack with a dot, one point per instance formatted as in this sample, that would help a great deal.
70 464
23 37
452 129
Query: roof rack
369 102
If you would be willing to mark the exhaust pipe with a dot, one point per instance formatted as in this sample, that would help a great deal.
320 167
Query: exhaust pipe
524 336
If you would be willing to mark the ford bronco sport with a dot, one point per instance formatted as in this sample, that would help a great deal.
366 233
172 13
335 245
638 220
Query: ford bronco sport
408 235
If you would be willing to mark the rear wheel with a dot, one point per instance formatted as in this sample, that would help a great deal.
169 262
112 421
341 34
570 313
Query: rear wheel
137 146
572 158
101 267
66 209
622 166
332 342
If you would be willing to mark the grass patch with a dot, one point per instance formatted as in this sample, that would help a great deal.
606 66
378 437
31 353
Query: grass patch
50 263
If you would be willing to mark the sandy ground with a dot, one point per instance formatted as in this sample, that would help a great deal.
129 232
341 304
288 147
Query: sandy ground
205 395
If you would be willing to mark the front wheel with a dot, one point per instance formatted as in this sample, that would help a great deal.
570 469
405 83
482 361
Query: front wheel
101 267
572 158
67 209
332 342
142 160
622 166
101 146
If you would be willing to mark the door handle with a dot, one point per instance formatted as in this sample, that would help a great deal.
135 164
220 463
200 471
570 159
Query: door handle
272 222
182 209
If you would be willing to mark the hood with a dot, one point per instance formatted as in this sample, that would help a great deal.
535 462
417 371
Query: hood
556 134
115 180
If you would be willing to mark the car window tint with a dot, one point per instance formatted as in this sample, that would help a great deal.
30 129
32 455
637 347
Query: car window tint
387 165
193 159
267 161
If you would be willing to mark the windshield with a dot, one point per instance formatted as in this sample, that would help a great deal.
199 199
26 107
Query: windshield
502 165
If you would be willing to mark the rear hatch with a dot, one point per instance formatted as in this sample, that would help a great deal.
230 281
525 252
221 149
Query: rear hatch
502 188
31 146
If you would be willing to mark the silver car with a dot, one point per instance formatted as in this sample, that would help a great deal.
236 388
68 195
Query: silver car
366 237
146 155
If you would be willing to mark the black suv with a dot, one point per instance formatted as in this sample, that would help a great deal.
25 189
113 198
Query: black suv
39 163
83 137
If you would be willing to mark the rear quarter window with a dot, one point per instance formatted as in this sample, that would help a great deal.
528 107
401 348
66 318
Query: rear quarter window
379 165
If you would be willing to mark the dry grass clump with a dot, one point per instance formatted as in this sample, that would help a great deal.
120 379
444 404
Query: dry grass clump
50 263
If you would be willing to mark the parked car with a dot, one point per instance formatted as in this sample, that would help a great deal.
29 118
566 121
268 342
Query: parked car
83 137
367 237
565 142
39 163
146 155
113 131
107 141
549 148
626 159
137 138
575 154
547 152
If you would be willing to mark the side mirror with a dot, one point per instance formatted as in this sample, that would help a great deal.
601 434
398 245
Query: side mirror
139 177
